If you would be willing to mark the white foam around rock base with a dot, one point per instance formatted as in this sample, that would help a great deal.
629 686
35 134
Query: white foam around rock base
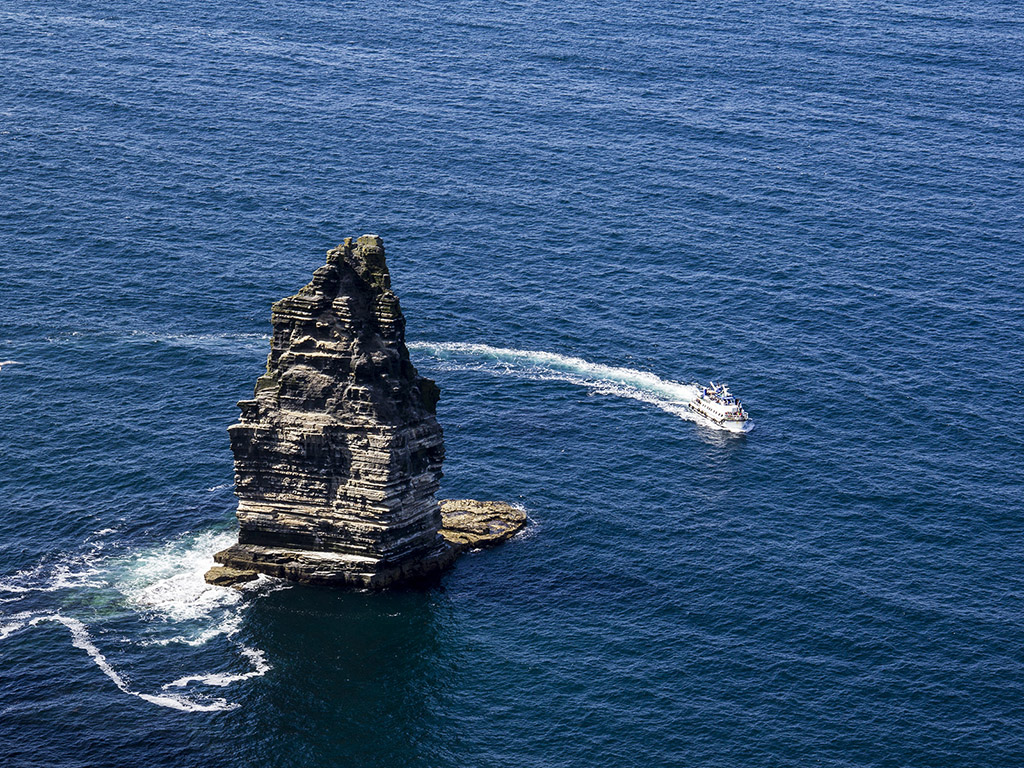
169 580
165 586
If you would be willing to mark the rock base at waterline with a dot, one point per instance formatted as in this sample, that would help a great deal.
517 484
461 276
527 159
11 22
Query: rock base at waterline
225 576
466 525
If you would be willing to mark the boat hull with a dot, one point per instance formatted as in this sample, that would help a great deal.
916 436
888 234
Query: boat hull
728 425
736 426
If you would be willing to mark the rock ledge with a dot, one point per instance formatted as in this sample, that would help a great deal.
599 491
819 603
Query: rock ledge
468 524
225 576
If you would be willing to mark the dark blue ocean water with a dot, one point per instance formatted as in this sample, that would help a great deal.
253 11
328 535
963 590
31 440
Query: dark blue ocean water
819 203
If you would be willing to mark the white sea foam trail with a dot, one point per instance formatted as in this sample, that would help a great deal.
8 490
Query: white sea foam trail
80 638
670 396
256 657
8 362
165 587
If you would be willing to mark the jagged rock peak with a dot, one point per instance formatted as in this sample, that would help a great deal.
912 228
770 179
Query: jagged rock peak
342 337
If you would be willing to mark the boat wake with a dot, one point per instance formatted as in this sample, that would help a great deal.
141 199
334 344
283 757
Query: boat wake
227 343
216 343
160 593
670 396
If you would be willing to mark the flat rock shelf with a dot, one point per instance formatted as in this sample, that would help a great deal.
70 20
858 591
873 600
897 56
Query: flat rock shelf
468 524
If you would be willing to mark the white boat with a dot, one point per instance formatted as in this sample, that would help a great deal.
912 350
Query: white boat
716 404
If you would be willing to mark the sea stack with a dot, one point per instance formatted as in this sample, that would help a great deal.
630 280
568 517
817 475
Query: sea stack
338 455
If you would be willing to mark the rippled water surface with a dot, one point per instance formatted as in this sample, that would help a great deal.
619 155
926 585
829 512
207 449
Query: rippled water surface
586 209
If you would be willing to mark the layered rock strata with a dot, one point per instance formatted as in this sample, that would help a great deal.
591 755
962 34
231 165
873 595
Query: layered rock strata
465 525
338 455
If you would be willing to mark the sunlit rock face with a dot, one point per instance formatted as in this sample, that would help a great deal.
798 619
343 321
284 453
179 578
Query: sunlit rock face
338 455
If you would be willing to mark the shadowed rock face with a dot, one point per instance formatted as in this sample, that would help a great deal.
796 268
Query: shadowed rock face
338 455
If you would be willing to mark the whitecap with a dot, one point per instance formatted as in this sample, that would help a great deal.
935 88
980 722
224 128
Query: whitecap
6 630
200 636
14 623
255 656
169 580
529 530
